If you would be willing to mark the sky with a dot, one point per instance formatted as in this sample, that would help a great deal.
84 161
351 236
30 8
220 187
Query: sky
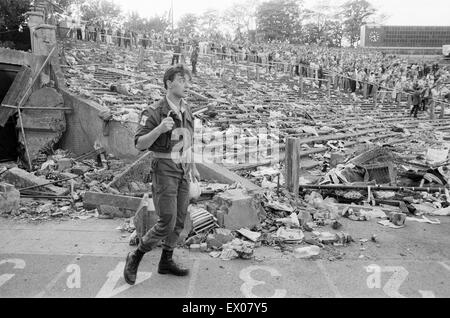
399 12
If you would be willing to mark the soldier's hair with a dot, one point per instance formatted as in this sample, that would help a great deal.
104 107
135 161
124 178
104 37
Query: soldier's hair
173 71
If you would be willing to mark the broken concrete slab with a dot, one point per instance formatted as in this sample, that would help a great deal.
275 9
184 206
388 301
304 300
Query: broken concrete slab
91 199
9 198
252 236
22 179
220 174
237 208
43 128
45 97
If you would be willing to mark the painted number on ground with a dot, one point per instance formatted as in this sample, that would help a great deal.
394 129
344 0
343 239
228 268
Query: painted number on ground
250 283
393 285
74 279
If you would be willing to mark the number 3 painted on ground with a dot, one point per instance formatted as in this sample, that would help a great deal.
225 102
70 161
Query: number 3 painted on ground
250 283
18 264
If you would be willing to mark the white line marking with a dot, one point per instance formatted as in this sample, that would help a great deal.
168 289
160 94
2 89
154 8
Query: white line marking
427 294
109 289
193 280
330 282
55 280
18 264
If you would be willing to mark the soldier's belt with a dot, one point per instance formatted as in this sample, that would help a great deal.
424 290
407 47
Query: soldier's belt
170 155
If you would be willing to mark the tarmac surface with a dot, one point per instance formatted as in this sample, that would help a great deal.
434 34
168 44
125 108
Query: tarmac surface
85 258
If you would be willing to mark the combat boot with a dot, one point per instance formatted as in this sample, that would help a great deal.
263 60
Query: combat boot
168 266
131 266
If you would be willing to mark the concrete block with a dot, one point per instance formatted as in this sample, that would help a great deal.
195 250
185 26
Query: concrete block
237 209
9 198
194 248
119 201
64 164
22 179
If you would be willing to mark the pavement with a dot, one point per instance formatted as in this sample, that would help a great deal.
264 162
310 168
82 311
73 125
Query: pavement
85 258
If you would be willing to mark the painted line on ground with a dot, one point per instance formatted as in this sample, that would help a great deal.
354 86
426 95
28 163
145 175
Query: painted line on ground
330 282
193 281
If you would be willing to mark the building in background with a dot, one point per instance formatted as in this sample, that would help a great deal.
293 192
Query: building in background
415 40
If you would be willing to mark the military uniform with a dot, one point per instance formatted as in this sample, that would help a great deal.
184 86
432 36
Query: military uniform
194 59
170 172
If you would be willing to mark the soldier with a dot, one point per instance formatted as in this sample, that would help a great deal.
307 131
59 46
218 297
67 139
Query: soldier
176 52
194 58
172 170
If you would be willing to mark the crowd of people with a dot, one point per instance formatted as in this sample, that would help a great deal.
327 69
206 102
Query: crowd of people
356 70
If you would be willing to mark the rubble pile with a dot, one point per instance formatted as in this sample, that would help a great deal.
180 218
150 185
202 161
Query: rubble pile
56 188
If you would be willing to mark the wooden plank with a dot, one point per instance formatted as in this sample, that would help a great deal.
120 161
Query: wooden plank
293 164
118 201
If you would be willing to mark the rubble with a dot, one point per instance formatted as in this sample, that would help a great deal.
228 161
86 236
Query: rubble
290 235
22 179
237 248
9 199
252 236
307 252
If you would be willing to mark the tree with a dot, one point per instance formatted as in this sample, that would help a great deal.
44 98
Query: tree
209 27
12 13
279 19
322 24
157 23
240 18
354 14
99 11
188 24
208 21
335 33
134 22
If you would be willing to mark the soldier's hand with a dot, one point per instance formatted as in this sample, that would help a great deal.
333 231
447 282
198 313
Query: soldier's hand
167 125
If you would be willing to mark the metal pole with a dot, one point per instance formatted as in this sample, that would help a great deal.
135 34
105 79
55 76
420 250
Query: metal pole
372 187
172 16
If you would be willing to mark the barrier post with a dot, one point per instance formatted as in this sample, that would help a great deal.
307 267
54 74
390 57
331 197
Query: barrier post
329 86
432 108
